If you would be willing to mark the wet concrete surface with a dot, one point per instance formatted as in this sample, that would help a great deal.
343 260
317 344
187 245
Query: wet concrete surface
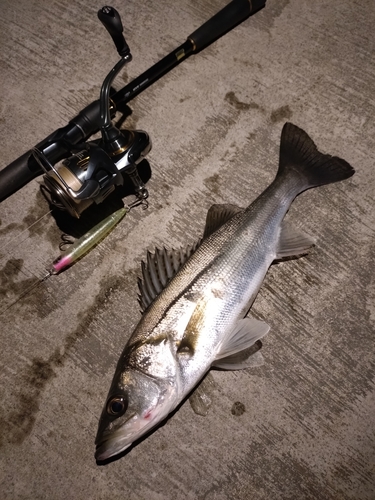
300 426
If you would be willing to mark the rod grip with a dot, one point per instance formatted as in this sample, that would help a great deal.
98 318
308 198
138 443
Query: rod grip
17 174
55 147
225 20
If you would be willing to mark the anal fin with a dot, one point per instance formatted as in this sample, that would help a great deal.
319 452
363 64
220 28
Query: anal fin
292 243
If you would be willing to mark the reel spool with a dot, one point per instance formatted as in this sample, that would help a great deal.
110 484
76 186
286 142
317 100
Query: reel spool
90 175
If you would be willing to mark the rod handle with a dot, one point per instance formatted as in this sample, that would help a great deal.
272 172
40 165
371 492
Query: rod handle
17 174
225 20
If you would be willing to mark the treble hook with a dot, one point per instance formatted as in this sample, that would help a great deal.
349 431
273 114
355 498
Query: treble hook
138 202
66 242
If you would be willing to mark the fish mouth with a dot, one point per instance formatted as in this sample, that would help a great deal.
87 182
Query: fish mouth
108 446
108 449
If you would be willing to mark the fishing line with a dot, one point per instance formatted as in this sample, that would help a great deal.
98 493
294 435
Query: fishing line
38 280
19 269
23 231
26 292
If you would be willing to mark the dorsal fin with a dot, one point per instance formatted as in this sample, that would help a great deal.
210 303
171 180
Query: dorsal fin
218 215
159 269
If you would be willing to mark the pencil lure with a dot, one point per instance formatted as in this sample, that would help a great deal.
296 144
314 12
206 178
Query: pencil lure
79 248
86 242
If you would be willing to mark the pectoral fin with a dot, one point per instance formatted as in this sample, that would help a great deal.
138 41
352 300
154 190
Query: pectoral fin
242 350
242 337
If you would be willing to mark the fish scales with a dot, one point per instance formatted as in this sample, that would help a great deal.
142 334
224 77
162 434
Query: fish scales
198 320
234 259
248 233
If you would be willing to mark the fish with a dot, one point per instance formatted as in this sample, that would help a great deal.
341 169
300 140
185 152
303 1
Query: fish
195 301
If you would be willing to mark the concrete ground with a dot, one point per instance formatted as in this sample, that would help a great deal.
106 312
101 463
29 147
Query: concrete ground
302 426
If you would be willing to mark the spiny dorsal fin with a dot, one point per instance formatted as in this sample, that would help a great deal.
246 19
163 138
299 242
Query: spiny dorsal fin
218 215
159 269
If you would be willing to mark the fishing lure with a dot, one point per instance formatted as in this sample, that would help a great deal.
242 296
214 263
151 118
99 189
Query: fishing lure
82 246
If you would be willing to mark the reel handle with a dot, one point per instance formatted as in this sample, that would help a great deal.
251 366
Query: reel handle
111 20
225 20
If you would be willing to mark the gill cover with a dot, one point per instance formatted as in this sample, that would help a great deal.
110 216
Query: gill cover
142 393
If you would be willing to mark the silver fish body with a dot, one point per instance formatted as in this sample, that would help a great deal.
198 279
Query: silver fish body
195 301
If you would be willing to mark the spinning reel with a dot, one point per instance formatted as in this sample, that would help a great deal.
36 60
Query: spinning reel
97 167
78 173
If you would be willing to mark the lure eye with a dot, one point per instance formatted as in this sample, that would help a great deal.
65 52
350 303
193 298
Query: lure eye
117 406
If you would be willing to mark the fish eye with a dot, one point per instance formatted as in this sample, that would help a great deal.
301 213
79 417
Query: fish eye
117 405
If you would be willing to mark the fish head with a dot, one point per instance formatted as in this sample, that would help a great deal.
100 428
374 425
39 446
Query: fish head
135 404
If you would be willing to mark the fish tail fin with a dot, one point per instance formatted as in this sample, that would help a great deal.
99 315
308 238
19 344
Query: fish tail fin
299 154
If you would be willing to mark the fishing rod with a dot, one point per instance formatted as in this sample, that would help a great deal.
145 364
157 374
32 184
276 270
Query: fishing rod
77 173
